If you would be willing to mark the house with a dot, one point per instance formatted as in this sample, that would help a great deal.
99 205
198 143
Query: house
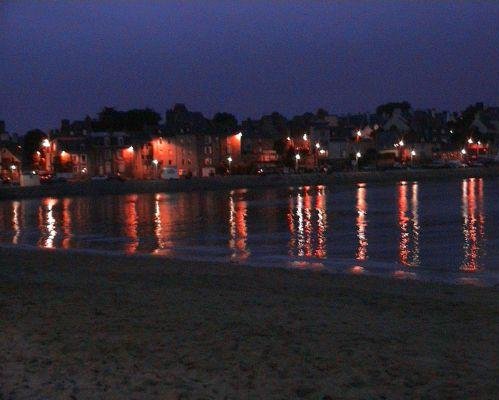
10 161
70 154
486 124
398 121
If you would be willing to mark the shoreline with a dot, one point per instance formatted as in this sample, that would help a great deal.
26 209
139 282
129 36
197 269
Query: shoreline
97 326
95 188
426 276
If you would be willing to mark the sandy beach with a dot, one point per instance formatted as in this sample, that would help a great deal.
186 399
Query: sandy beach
81 326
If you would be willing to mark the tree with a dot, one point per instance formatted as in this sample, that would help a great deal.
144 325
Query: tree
321 113
388 108
137 119
225 123
32 142
110 119
132 120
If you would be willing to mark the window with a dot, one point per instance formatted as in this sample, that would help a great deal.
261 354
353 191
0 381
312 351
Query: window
120 140
83 158
189 161
74 158
107 154
169 162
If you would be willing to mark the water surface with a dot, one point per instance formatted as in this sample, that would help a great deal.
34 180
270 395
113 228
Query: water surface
430 230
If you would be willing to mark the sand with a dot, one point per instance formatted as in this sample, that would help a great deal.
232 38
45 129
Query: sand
80 326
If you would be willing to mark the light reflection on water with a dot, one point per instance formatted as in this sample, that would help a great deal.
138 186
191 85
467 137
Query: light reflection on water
408 220
307 222
405 228
473 223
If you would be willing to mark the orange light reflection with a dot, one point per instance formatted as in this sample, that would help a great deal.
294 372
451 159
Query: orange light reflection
130 223
473 223
408 221
47 223
66 223
307 223
238 230
16 205
361 222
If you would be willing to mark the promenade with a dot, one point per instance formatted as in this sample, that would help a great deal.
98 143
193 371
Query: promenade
94 188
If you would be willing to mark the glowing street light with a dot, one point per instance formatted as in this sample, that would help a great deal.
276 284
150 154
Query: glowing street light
239 135
229 160
288 139
470 141
318 145
155 162
357 156
297 159
359 133
45 143
322 151
463 151
305 138
130 149
413 153
401 143
13 167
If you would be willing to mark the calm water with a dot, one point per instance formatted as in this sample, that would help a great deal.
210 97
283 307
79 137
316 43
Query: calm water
433 230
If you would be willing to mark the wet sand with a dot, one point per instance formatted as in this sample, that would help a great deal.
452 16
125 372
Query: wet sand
80 326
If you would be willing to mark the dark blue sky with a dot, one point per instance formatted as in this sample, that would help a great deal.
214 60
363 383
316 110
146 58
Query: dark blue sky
67 59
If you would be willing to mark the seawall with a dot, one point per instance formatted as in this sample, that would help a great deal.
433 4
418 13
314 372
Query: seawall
238 181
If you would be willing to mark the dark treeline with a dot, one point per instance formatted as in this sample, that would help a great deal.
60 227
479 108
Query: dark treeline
179 119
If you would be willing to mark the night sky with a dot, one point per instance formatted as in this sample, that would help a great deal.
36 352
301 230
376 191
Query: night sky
68 59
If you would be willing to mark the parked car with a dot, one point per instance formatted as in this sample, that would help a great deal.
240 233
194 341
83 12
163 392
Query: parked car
169 173
456 164
45 179
116 177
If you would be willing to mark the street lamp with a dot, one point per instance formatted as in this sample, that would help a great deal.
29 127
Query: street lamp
45 143
357 156
463 152
155 162
318 145
297 159
413 153
305 138
229 160
401 143
470 141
